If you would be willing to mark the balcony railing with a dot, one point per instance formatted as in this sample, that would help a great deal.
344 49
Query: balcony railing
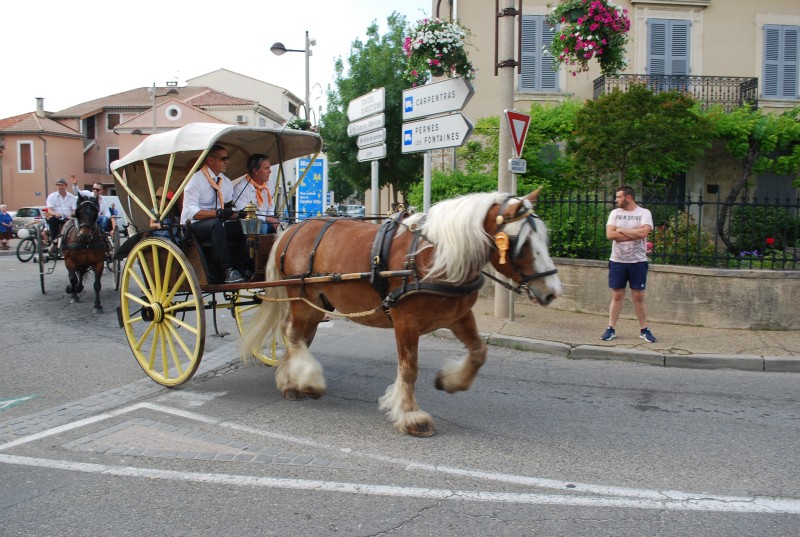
727 91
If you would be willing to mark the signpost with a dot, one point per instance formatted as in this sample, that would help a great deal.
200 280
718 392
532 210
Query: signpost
441 97
435 133
367 120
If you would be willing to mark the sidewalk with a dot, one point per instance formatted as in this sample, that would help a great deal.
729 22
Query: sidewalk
577 336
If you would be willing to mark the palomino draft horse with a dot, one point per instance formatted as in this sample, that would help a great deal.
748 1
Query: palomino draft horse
84 248
434 263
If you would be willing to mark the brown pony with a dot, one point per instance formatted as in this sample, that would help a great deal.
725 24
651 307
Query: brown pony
84 248
435 264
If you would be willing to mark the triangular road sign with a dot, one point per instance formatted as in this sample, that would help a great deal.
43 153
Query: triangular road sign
519 129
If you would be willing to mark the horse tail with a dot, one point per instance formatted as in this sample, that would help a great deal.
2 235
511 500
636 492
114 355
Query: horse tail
265 325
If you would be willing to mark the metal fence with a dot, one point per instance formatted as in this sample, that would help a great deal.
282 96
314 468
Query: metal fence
756 234
727 91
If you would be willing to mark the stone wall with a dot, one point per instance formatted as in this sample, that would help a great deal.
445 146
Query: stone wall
720 298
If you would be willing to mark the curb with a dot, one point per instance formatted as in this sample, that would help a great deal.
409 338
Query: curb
769 364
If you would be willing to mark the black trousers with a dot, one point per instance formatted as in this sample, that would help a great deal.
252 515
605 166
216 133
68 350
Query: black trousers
230 249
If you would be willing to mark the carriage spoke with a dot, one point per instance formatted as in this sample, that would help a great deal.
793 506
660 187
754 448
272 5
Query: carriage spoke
177 306
141 340
176 357
176 336
138 300
180 323
175 287
145 287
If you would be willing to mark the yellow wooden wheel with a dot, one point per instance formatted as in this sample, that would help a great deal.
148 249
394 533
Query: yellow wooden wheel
162 312
244 304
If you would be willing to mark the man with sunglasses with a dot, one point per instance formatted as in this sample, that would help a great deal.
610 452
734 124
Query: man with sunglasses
207 201
104 216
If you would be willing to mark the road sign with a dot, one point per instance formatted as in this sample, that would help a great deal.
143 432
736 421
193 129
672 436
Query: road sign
366 125
366 105
435 133
438 98
371 138
519 129
517 165
374 152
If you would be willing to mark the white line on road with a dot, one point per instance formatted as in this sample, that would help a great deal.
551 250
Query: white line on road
602 496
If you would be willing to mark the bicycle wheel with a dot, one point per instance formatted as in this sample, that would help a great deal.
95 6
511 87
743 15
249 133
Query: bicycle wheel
40 253
25 249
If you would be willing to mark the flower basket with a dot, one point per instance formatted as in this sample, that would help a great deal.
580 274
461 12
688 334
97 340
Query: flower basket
435 47
586 30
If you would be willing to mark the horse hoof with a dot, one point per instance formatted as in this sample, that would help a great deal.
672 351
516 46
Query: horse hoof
97 310
293 395
68 290
422 429
74 300
438 384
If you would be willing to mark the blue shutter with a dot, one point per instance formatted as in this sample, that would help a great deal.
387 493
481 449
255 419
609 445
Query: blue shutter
537 67
781 61
668 47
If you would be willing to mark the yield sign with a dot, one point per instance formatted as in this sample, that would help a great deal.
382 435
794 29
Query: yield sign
519 129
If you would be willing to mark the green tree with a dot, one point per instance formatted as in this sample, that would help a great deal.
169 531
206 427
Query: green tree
635 136
761 142
380 62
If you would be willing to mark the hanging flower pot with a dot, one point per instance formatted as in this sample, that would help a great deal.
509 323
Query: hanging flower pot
436 47
586 30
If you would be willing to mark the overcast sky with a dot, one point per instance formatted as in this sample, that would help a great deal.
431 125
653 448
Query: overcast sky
70 52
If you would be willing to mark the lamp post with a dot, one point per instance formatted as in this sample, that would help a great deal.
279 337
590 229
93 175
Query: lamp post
171 91
279 49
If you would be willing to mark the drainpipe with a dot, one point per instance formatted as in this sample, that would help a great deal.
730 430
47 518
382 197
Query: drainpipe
46 182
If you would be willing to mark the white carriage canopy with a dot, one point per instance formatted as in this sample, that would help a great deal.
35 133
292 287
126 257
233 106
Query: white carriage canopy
169 159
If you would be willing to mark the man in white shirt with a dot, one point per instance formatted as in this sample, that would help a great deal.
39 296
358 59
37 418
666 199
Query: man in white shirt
628 227
258 189
204 204
60 207
104 216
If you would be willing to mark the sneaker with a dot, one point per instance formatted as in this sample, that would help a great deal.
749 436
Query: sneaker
647 335
609 334
232 276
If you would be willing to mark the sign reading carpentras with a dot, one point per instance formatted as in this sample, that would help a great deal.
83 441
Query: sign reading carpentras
438 98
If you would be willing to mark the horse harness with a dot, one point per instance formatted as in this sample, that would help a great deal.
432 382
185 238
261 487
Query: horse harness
96 242
379 256
505 242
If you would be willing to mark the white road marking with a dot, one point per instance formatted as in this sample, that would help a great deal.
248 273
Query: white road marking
601 496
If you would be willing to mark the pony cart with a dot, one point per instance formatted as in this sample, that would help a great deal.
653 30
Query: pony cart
84 248
413 273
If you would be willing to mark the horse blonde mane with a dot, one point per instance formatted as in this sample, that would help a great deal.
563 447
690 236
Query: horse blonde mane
455 228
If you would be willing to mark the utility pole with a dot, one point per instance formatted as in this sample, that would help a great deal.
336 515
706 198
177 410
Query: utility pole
504 69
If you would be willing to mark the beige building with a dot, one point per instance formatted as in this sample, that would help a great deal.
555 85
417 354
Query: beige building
729 52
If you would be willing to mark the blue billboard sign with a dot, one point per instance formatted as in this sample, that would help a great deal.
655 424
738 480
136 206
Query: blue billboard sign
310 191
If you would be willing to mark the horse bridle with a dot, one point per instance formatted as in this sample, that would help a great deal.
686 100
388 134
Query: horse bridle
513 244
81 236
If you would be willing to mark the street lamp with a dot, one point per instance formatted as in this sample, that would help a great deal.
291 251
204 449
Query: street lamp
279 49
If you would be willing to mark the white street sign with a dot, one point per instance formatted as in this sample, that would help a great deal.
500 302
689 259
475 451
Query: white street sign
371 138
435 133
366 105
438 98
517 165
366 125
372 153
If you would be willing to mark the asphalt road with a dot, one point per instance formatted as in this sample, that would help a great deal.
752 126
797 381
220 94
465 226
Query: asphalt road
541 445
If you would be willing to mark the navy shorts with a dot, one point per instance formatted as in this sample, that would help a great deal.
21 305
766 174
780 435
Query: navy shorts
620 274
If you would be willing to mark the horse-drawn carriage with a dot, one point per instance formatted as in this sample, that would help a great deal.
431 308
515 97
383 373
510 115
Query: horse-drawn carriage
84 247
414 273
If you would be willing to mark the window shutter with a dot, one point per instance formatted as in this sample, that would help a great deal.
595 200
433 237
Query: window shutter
668 52
781 61
537 66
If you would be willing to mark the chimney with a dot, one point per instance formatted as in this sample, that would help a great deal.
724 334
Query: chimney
40 106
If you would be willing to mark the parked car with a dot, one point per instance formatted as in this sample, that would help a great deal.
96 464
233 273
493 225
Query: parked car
352 210
26 215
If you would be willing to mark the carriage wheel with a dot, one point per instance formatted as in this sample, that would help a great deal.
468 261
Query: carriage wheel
26 249
244 305
40 253
162 312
